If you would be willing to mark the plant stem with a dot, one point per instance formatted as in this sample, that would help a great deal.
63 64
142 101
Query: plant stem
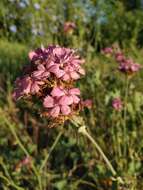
12 129
11 182
51 149
118 142
125 116
84 132
114 139
8 178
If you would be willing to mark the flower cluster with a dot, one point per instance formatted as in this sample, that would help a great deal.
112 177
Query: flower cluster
117 104
50 76
126 65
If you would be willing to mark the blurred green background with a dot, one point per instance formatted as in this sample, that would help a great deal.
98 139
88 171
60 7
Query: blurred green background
74 164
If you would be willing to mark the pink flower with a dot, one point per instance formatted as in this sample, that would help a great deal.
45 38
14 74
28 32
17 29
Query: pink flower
69 27
107 51
119 57
26 86
60 101
60 61
128 66
40 54
23 86
117 104
24 162
69 96
65 64
32 54
74 93
87 103
135 67
55 107
41 73
27 160
58 92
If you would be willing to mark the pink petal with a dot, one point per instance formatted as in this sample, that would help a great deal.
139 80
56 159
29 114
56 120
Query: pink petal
66 100
58 72
46 74
87 103
41 67
48 102
76 99
54 112
54 68
31 54
135 67
35 88
74 75
66 77
37 74
65 110
40 82
26 85
81 71
75 91
17 94
49 64
58 51
69 68
57 92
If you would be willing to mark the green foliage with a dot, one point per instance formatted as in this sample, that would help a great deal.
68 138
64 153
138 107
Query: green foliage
100 23
12 57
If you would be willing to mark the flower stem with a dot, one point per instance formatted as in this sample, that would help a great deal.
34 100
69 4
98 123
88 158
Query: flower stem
12 129
84 132
125 116
11 183
51 149
8 178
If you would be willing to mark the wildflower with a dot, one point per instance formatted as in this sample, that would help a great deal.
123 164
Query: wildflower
128 66
107 51
62 62
26 86
49 76
68 65
87 103
117 104
69 27
39 54
26 161
119 57
60 101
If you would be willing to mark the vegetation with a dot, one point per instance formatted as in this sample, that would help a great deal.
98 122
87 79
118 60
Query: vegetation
72 161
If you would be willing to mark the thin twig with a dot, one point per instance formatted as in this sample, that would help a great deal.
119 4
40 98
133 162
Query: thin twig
51 149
